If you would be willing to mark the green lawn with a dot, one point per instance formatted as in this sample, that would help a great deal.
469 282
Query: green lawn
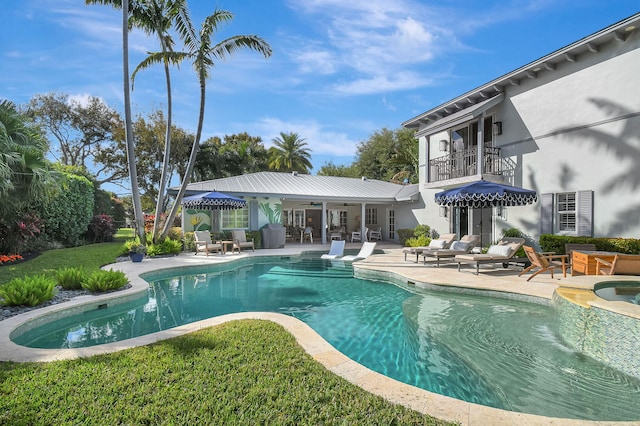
244 372
91 257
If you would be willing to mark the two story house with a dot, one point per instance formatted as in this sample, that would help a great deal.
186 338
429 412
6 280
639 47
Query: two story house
566 125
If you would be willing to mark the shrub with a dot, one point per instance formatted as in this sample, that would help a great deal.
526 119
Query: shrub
133 246
168 246
420 241
404 235
175 233
105 281
70 278
189 242
18 235
30 291
101 229
422 231
555 243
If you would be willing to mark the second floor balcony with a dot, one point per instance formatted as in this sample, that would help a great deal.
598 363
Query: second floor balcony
464 163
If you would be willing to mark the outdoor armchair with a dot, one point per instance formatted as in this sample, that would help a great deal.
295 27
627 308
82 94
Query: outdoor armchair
240 241
202 240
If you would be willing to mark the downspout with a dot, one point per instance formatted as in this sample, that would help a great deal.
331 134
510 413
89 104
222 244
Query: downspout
480 144
324 223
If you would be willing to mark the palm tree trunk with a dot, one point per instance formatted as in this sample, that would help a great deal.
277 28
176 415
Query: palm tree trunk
131 155
167 156
192 161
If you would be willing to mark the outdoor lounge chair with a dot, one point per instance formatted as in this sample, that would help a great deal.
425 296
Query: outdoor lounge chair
365 251
544 262
202 240
464 246
503 252
623 264
240 241
335 251
443 242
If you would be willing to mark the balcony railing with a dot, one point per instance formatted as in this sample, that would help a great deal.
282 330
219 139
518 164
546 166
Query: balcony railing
465 163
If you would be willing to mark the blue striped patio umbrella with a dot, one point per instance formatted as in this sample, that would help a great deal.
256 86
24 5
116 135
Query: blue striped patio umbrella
213 201
486 194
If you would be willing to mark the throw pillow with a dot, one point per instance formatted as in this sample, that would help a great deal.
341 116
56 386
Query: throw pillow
503 251
459 245
437 244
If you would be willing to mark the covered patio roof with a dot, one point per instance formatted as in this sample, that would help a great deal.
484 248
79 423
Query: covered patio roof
297 186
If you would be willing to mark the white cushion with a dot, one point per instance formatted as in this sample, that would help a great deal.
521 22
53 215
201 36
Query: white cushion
459 245
437 244
499 250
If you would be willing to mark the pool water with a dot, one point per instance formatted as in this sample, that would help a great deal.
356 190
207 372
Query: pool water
496 352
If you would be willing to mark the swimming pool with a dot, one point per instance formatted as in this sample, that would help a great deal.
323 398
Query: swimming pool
496 352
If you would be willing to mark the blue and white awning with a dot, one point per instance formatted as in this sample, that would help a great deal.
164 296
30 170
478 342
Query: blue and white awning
213 201
486 194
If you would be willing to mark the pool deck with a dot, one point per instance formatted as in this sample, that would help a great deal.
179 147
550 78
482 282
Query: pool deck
491 278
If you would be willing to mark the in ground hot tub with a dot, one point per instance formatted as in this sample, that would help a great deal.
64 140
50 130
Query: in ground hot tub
624 291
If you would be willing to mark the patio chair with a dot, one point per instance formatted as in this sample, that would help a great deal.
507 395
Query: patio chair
365 251
357 235
202 240
307 234
240 241
541 262
623 264
375 235
503 252
443 242
335 251
464 246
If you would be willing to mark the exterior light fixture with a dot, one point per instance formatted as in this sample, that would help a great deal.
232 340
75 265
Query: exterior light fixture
497 128
444 145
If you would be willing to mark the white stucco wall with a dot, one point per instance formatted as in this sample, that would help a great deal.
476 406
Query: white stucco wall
571 129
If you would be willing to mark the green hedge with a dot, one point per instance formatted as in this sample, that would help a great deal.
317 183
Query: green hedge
69 211
555 243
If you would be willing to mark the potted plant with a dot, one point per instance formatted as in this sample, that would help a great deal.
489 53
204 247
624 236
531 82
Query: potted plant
137 252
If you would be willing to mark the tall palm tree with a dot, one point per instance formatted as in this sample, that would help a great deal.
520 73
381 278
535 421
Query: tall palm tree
290 153
156 17
131 157
200 49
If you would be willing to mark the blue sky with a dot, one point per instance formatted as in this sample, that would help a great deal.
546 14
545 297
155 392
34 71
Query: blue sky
340 70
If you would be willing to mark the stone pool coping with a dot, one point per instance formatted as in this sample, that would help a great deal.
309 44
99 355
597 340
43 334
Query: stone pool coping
392 265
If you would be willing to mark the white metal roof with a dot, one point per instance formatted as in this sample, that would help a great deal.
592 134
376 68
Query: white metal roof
308 187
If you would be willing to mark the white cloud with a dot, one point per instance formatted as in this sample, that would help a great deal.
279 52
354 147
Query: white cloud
319 139
378 39
382 83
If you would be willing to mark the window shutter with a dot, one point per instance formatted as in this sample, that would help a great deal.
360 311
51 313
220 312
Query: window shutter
546 214
254 217
584 223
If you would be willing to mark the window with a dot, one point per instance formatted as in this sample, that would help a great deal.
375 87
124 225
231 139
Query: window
566 208
371 216
343 219
568 213
392 224
235 219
